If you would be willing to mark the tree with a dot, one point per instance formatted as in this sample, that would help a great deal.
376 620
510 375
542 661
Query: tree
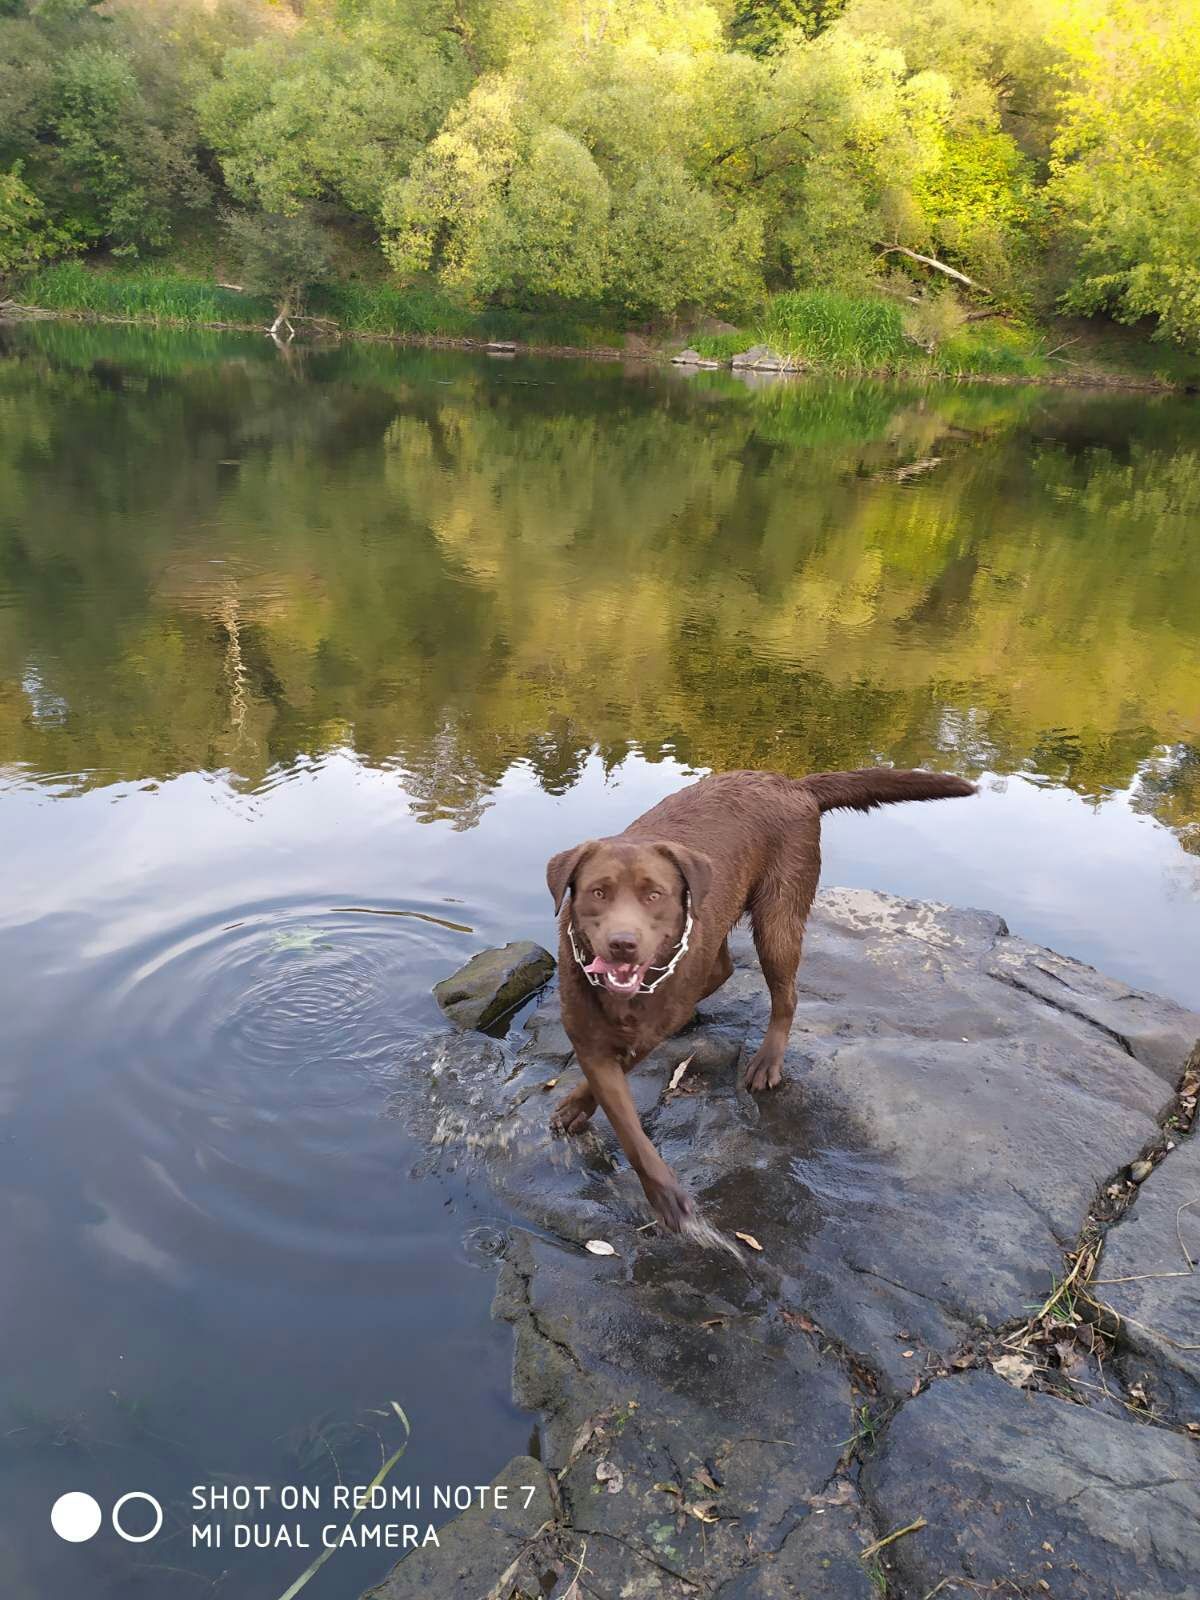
280 254
27 234
332 112
108 149
1126 167
765 27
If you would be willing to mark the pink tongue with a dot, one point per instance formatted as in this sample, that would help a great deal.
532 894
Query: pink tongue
623 969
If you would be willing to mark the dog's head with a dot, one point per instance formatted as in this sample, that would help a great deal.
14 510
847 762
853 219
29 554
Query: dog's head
628 903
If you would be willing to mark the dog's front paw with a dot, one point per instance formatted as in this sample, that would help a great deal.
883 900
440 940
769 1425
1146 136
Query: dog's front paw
573 1113
764 1070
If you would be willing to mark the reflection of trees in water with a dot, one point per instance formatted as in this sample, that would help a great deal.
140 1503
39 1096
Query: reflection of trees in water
1169 788
454 571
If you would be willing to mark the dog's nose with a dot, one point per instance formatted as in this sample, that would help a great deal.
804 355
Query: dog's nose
623 946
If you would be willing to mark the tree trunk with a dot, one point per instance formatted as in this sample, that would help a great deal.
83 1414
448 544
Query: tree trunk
281 321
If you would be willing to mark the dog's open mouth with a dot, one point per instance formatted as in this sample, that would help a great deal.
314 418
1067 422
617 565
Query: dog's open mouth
621 977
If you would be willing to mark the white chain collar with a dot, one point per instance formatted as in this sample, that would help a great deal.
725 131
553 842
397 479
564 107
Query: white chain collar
664 973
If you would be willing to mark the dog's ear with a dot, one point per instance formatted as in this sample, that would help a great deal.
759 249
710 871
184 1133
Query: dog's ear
561 870
695 867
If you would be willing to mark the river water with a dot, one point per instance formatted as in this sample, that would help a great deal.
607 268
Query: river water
308 660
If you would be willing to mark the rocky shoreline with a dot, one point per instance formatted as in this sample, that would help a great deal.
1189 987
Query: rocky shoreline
964 1358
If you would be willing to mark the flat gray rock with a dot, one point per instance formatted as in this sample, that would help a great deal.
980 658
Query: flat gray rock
1028 1494
1155 1248
955 1099
493 983
762 358
693 358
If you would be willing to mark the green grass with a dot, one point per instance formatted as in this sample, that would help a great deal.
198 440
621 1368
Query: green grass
821 327
720 346
142 293
155 294
834 329
839 332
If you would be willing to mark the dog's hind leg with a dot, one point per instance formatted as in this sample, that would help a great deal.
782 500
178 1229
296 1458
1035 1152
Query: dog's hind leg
778 912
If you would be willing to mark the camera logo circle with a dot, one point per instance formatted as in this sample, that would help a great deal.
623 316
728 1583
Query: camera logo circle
75 1517
137 1494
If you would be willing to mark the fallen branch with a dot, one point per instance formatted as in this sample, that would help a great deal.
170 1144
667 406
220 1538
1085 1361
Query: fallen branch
1179 1232
931 261
1063 346
14 308
887 1539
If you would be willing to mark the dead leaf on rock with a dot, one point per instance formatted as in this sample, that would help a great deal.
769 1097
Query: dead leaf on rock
747 1238
703 1513
799 1320
1014 1369
1070 1357
670 1488
600 1247
677 1075
714 1322
549 1083
703 1476
582 1439
610 1475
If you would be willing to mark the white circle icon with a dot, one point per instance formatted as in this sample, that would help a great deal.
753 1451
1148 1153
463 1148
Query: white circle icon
75 1516
138 1494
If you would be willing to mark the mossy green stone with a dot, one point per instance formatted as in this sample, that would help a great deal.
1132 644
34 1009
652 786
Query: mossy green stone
493 983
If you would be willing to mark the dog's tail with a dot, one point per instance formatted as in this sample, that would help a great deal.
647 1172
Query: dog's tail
881 786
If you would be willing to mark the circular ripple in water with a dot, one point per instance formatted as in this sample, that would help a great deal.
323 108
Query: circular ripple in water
276 1009
243 1071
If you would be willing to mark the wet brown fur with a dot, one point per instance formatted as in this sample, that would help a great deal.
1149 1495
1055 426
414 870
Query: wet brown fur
740 842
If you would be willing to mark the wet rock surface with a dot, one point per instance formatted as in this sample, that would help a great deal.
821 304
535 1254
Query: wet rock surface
482 1545
1147 1276
494 983
739 1425
1023 1493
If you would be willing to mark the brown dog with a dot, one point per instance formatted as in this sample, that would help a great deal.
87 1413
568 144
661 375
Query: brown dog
645 935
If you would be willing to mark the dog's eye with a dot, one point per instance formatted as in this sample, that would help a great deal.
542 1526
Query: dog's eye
654 894
598 894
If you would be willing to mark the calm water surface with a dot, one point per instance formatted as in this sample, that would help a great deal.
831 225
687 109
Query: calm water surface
308 661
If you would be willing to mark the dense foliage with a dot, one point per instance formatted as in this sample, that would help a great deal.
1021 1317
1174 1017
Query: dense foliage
647 157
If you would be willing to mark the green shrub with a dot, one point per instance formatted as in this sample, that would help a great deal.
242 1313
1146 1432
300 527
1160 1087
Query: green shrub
838 330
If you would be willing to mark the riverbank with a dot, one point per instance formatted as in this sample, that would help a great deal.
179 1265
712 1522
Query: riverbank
817 332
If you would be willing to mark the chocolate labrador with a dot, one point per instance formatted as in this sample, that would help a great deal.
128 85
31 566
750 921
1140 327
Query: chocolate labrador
646 933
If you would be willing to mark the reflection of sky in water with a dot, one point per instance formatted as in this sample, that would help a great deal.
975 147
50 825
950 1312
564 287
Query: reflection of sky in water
1100 882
